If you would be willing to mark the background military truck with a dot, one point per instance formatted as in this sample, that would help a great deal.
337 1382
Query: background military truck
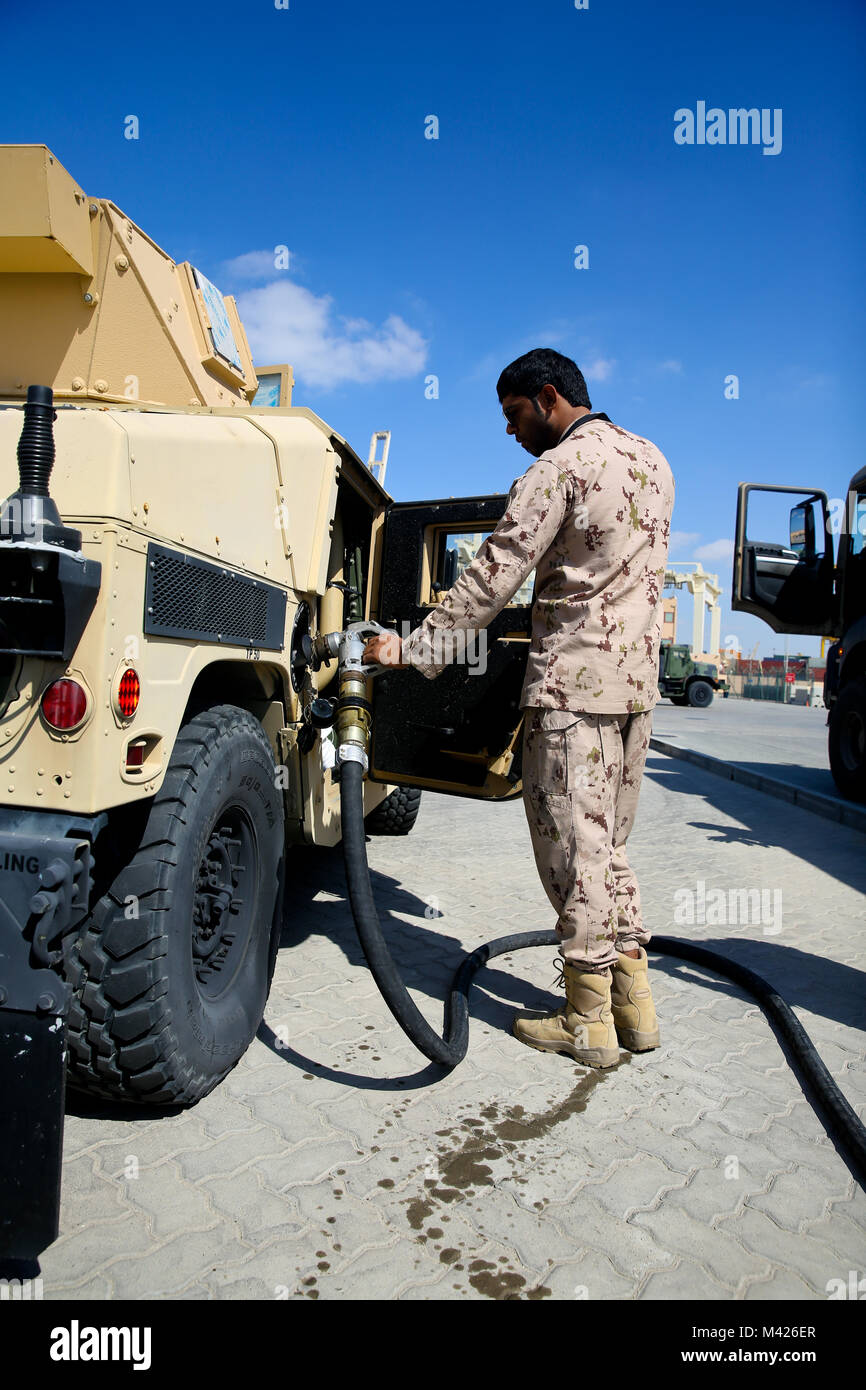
802 586
685 681
161 719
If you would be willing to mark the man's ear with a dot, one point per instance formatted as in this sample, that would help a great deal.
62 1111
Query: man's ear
548 396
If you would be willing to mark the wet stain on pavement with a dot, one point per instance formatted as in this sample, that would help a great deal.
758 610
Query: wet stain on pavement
418 1210
462 1168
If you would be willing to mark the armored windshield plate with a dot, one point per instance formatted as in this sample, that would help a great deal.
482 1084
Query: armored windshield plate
222 337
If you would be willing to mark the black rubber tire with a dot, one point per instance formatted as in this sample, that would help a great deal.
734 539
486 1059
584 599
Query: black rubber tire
679 699
847 740
143 1026
700 694
396 814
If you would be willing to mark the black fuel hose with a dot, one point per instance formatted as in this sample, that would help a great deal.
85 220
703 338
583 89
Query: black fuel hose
840 1119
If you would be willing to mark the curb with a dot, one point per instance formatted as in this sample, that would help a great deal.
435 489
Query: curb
843 812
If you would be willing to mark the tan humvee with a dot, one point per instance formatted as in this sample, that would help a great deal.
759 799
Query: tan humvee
161 743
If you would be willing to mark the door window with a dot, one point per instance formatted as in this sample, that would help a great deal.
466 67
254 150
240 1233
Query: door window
456 550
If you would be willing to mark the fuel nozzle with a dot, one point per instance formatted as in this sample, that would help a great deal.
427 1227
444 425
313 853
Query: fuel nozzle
322 648
29 514
354 711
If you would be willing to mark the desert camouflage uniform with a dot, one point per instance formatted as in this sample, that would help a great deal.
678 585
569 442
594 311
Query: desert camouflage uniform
592 517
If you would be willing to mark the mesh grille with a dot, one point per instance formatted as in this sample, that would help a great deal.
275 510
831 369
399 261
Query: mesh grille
191 598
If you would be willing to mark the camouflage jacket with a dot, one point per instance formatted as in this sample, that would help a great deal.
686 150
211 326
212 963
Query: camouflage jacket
592 517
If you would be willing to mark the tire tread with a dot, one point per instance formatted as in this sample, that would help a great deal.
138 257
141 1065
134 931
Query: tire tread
120 1030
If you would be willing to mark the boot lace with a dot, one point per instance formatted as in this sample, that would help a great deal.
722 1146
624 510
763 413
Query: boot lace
559 980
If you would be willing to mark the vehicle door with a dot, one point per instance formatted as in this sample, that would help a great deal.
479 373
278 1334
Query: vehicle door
790 584
459 733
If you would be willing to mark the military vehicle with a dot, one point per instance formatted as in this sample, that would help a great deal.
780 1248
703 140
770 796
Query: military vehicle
806 585
170 552
685 681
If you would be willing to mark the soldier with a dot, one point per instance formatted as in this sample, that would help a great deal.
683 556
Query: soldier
592 518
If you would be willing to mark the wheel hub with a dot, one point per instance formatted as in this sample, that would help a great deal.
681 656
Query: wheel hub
216 903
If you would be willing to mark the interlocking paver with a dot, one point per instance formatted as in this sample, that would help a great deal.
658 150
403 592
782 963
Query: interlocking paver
588 1278
233 1151
722 1256
170 1204
259 1214
630 1250
95 1197
92 1249
151 1146
710 1195
685 1280
809 1258
334 1163
353 1223
848 1239
179 1262
807 1145
783 1286
98 1288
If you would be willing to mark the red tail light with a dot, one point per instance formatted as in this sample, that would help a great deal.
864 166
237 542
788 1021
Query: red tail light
128 693
64 704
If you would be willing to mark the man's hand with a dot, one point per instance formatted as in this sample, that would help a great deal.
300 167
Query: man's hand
385 651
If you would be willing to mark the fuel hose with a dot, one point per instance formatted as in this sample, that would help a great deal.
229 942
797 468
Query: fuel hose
449 1049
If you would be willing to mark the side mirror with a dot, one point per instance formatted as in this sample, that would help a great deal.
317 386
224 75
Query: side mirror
802 531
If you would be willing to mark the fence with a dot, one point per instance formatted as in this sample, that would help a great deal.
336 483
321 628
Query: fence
758 686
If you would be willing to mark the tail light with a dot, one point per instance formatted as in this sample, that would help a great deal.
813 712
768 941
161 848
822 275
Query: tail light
64 705
128 693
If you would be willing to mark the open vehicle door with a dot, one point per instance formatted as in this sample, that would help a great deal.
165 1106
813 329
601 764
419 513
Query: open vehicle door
790 586
461 732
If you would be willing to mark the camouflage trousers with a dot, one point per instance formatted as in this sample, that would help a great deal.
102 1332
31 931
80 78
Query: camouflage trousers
581 781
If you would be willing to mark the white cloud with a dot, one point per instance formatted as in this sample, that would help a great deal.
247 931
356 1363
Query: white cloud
600 369
556 332
487 369
819 382
682 540
252 265
671 365
715 550
287 323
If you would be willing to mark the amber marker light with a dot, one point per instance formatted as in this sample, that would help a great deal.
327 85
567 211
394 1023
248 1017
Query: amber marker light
64 705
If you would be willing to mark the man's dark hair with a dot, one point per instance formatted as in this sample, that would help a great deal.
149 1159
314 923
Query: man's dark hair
527 375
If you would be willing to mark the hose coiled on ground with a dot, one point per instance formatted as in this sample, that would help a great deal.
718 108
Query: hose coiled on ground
841 1121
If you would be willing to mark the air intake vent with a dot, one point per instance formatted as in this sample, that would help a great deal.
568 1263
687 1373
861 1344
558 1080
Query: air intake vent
203 602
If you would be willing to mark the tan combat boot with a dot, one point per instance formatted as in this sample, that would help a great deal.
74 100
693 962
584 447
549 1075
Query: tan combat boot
583 1026
632 1003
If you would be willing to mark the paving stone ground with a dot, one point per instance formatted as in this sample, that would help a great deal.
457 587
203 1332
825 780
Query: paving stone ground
334 1162
785 742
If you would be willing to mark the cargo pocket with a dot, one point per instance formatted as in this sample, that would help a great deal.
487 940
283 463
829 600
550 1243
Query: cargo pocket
554 844
554 731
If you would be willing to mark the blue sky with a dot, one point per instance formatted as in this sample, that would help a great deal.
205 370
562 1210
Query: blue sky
411 257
